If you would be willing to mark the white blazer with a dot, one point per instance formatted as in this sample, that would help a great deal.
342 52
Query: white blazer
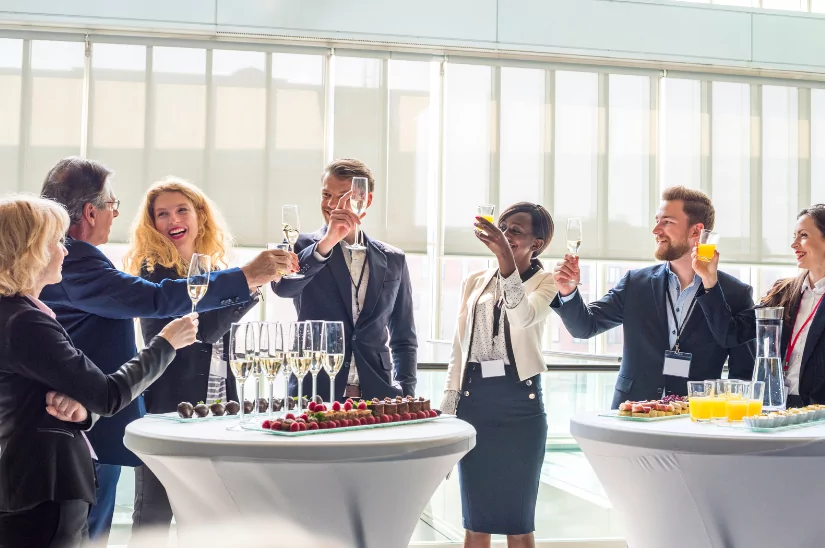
526 321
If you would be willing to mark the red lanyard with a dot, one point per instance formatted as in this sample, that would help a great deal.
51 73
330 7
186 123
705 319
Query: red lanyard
794 340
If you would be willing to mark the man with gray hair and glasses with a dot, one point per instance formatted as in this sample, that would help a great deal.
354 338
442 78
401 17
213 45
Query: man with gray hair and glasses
96 304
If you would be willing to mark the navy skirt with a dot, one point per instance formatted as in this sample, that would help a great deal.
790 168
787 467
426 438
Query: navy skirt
499 478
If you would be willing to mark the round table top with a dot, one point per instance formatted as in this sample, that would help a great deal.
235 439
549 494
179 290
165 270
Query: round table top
682 434
224 438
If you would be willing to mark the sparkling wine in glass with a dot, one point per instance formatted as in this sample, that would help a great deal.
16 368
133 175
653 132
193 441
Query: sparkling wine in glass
241 354
317 350
297 356
197 280
291 227
271 345
334 356
574 238
358 202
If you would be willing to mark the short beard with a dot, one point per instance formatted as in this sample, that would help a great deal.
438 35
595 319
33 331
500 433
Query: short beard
673 251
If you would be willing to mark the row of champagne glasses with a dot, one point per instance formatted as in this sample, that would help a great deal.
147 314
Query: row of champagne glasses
291 348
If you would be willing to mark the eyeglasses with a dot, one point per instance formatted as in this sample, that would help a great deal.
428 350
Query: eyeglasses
115 204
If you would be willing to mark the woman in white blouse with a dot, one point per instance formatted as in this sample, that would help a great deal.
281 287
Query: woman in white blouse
494 377
803 326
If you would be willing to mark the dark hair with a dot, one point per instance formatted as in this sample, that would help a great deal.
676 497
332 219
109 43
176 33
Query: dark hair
787 292
543 227
697 206
347 168
75 182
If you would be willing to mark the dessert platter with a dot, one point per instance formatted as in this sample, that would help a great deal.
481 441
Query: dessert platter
353 414
187 412
669 407
774 421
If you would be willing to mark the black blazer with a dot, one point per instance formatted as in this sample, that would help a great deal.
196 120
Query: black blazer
41 458
187 377
732 328
639 303
386 323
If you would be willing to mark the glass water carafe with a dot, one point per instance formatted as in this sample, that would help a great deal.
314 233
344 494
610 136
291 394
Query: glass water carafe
769 357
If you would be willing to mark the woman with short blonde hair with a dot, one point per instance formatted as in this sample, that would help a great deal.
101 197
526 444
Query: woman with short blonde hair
47 479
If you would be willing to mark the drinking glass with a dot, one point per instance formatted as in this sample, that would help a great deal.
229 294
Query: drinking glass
574 235
358 202
738 400
291 227
241 353
197 280
271 344
486 211
707 245
298 359
284 247
756 397
700 397
317 351
334 354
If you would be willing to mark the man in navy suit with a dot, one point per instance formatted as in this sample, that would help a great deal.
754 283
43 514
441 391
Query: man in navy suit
96 304
369 291
666 338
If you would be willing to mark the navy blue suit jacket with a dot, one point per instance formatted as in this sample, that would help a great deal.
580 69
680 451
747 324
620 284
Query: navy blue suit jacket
96 304
385 324
639 303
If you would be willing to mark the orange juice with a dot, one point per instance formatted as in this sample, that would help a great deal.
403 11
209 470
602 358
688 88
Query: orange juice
719 408
754 408
737 409
701 408
705 252
489 219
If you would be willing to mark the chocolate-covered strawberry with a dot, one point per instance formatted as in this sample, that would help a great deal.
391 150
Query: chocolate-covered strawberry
217 408
277 404
248 406
263 405
232 407
185 410
201 410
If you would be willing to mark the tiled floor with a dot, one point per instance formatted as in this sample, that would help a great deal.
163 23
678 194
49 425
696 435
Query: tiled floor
571 506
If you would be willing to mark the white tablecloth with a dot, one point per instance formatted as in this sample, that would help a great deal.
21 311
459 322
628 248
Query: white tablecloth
681 484
365 488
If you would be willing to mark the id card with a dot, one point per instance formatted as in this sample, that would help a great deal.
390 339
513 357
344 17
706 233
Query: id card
677 364
492 368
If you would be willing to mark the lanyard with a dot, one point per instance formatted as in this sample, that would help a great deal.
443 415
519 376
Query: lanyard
357 286
679 328
794 340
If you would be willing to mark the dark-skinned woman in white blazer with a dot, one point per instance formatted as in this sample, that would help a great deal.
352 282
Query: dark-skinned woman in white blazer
494 377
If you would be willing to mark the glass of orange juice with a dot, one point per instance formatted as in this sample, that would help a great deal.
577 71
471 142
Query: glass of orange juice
700 397
486 211
756 396
707 245
720 389
738 400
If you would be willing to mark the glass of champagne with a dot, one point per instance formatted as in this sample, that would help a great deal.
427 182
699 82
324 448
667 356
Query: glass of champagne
291 226
197 280
317 348
241 352
574 238
284 247
298 357
358 202
271 344
334 354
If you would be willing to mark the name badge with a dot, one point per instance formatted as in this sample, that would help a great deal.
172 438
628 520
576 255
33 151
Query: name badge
677 364
492 368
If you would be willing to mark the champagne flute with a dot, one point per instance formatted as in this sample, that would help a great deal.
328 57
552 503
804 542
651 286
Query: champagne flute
574 238
291 226
257 365
272 355
239 357
334 354
358 202
317 348
298 359
197 280
285 247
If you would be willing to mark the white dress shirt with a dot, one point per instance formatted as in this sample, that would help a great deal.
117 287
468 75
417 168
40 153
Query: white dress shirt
485 346
810 296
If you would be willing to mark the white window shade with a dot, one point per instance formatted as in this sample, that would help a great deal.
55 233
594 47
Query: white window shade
817 147
11 63
117 123
679 133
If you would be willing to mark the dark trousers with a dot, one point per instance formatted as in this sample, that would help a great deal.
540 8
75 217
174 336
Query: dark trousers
47 525
152 508
100 518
